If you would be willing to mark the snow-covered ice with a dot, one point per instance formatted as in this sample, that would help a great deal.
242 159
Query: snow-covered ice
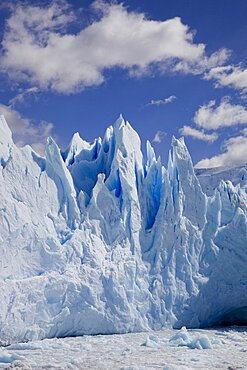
210 178
135 351
95 240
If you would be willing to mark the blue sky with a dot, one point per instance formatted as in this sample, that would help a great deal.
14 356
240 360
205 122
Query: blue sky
170 67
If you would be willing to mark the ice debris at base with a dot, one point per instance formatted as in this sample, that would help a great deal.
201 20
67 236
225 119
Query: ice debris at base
95 240
126 351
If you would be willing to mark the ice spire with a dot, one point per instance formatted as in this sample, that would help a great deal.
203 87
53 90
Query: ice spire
6 142
56 163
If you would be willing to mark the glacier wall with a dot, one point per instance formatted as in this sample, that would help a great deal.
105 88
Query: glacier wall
95 240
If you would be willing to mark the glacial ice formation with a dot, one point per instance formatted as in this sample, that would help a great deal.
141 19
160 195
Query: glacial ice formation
95 240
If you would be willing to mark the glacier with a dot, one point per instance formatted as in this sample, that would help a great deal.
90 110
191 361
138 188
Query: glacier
98 240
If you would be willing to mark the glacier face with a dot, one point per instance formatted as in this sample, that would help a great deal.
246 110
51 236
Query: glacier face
95 240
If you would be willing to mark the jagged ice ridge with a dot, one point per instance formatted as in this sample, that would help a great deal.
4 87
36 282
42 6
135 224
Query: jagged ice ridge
94 240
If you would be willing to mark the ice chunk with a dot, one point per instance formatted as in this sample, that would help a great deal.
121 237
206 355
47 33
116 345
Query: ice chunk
182 338
153 341
7 356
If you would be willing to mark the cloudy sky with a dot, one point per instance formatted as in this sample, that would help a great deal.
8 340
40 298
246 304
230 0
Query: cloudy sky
173 67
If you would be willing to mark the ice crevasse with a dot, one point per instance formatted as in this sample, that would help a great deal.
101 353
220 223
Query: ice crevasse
94 239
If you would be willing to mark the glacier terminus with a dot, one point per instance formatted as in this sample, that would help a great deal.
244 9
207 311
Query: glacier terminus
97 240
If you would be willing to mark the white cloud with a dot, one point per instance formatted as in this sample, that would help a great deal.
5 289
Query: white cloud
164 101
159 136
231 76
21 97
37 49
205 63
234 153
25 131
196 134
212 117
